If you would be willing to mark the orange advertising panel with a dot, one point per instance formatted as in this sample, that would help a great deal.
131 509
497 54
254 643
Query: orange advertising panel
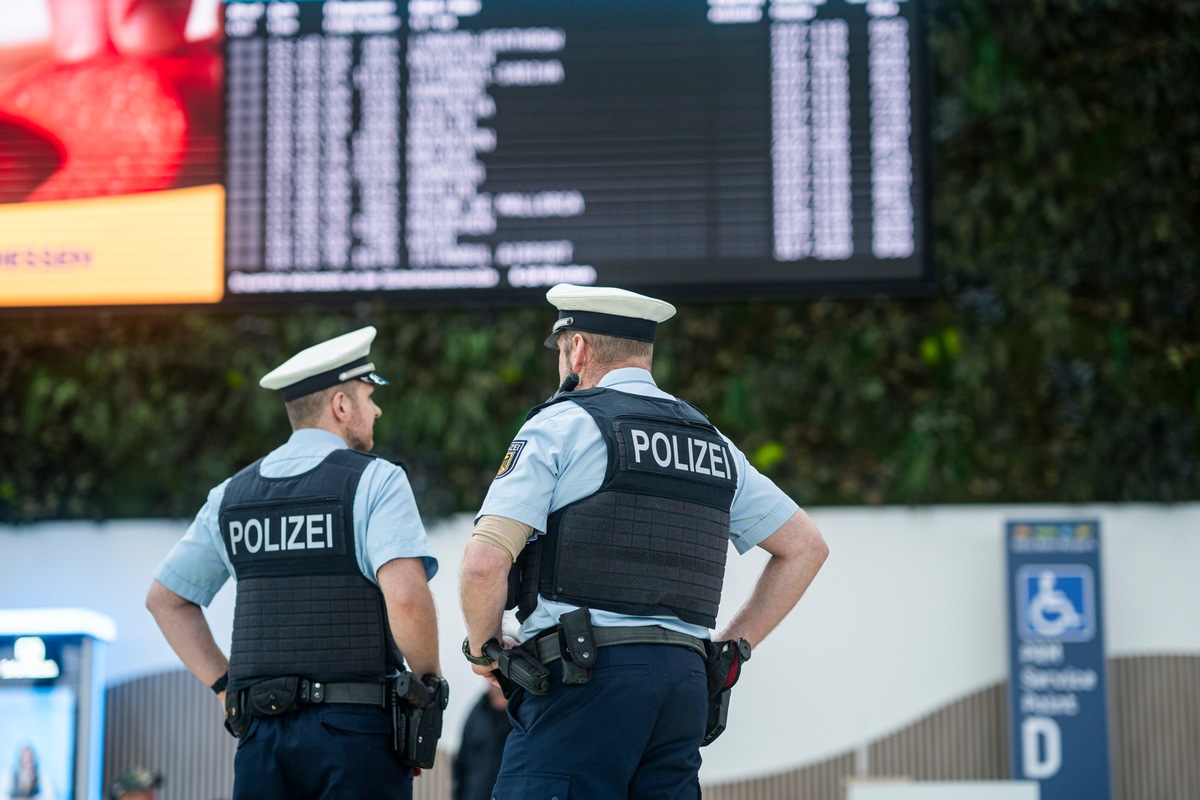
153 247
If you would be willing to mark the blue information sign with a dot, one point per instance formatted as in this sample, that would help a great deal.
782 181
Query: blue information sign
1057 689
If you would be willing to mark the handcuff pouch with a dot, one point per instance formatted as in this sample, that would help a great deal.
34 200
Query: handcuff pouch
577 645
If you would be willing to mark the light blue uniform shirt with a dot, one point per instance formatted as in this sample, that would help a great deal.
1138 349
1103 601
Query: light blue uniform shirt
387 524
560 457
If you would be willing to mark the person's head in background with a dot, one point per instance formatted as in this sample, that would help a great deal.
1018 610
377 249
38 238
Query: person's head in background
137 783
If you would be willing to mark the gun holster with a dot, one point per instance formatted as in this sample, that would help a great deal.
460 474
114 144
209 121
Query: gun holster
417 709
724 667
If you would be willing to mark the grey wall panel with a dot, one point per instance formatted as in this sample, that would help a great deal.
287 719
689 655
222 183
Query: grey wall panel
172 724
967 741
434 784
822 781
1155 721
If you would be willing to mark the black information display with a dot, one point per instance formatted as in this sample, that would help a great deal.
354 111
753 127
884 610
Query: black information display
501 146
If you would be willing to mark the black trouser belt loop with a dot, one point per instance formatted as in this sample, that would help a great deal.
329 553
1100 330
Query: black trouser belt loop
357 693
548 649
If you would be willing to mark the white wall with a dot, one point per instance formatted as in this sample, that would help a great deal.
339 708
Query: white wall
907 615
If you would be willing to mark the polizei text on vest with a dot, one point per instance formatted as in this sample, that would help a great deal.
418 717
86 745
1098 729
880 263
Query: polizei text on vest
292 532
682 453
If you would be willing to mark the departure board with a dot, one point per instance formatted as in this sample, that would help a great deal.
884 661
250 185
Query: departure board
502 146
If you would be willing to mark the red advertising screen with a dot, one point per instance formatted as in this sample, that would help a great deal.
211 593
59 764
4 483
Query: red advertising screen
110 152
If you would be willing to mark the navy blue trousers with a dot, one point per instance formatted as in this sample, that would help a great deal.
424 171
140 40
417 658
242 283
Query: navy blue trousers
326 752
632 733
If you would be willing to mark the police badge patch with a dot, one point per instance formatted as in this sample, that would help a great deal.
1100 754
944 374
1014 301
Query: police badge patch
510 458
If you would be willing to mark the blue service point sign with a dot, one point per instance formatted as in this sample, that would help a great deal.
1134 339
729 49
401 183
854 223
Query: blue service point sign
1058 705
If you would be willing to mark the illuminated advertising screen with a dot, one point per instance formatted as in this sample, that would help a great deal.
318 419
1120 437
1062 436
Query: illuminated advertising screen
259 152
52 702
38 713
110 142
37 737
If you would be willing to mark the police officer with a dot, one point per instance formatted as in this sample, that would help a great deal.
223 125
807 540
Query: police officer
613 509
332 563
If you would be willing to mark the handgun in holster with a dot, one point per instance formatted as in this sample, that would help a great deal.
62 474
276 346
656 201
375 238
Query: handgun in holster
517 667
724 667
417 709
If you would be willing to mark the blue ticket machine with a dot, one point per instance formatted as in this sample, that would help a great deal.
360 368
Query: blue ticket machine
52 702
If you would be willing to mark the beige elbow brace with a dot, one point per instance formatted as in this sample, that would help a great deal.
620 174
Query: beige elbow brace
505 533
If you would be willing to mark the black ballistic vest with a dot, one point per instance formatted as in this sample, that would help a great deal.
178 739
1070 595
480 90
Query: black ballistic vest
303 606
653 538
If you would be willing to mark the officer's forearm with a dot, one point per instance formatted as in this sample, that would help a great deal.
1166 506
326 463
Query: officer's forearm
411 613
483 589
186 631
797 552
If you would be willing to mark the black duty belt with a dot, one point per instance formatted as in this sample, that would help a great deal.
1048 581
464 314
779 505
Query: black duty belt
284 694
549 650
574 642
357 693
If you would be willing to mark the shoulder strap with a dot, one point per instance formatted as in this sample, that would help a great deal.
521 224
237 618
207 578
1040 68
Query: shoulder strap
596 390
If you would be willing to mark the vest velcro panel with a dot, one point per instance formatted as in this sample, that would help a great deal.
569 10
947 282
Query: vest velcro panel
636 554
326 627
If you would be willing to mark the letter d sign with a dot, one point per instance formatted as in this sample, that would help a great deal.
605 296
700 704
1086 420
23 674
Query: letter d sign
1041 747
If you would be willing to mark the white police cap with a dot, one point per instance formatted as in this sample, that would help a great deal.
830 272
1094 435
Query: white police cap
329 363
602 309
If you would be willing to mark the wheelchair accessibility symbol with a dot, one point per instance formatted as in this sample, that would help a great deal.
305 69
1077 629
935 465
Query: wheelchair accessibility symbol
1056 602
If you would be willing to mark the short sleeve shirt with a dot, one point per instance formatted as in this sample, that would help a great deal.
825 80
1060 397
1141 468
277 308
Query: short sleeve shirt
387 524
559 457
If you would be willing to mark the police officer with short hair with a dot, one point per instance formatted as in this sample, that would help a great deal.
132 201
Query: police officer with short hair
332 566
612 511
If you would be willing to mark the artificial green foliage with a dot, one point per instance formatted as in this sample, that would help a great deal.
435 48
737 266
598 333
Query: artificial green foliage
1057 361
